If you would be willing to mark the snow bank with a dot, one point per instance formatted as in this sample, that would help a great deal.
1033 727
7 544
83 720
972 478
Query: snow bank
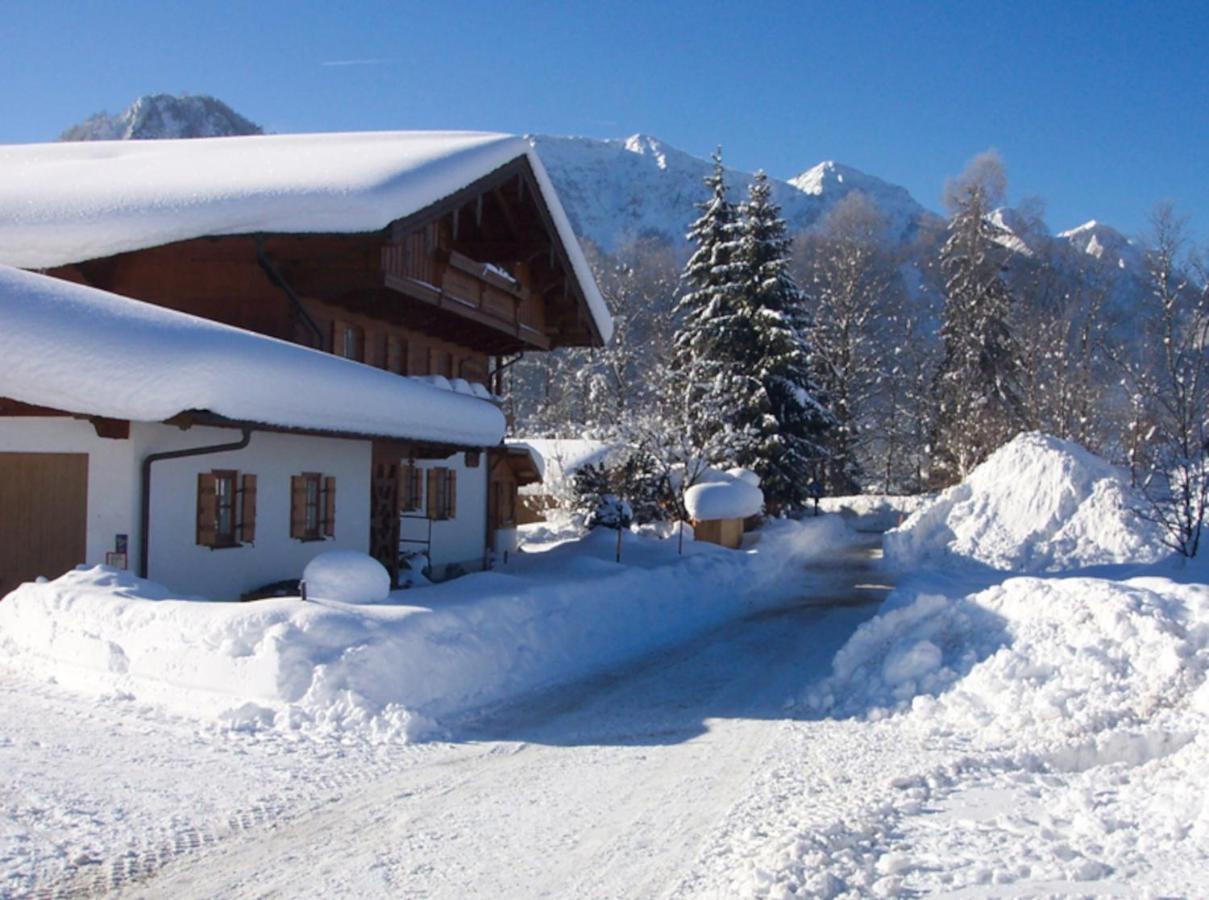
67 202
386 670
729 497
346 576
1031 660
82 350
1038 504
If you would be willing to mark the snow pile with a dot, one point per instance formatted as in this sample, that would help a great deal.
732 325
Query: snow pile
1029 660
1038 504
82 350
346 576
727 496
385 670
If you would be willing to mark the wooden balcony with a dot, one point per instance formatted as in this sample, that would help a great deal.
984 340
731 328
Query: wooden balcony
454 283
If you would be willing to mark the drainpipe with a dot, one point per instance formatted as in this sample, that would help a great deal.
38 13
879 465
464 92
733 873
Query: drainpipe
145 499
284 286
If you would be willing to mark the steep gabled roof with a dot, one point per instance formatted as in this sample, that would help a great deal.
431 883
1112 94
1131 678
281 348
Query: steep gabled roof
69 202
81 350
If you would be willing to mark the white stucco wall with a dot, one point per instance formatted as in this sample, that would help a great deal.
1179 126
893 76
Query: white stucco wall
112 475
462 540
176 559
114 472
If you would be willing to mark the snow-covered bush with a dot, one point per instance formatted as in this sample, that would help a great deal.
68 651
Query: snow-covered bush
611 512
347 577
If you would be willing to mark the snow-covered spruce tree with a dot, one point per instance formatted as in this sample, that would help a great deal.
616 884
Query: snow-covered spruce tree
787 415
978 382
709 394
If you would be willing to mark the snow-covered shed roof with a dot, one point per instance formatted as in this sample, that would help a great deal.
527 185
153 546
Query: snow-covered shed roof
732 497
74 201
562 457
81 350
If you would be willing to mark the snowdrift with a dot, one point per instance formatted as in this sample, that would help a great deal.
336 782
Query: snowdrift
1033 661
1038 504
385 671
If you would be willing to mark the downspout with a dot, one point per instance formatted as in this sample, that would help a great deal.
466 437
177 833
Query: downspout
279 281
145 498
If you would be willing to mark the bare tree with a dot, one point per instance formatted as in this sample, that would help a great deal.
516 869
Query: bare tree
1167 378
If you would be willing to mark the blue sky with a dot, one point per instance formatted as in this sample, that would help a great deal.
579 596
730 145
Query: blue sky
1101 109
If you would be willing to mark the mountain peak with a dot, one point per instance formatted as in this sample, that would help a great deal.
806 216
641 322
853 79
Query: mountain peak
155 116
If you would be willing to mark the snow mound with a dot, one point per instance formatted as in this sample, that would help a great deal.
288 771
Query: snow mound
1050 666
385 671
346 576
1038 504
729 497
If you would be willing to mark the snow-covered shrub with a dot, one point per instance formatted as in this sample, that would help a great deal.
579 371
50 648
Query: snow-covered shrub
630 475
347 577
611 512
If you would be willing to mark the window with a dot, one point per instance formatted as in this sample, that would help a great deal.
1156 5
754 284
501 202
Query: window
411 488
312 507
348 340
226 509
394 358
440 362
472 459
442 493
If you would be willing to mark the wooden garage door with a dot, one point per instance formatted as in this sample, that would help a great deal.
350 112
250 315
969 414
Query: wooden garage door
43 510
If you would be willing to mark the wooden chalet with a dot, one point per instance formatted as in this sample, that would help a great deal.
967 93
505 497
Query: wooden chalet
446 266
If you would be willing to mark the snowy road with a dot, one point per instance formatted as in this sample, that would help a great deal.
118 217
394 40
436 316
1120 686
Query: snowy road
606 788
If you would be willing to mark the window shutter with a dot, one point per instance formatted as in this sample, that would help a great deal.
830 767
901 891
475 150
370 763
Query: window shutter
329 507
297 507
433 512
451 494
247 510
337 337
207 510
434 361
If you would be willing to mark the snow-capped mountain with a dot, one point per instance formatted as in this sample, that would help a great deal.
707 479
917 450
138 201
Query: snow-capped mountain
1106 244
639 185
164 116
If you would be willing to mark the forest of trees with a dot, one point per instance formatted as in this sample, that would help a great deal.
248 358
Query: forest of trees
844 358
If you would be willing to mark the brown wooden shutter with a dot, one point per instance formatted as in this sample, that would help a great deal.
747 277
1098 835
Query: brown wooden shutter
452 494
298 506
247 510
433 476
434 361
337 345
329 507
207 509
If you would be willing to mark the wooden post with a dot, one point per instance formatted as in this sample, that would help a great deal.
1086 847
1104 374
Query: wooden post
680 548
619 543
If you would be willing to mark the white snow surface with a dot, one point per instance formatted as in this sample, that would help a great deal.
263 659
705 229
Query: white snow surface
387 669
346 576
1037 504
81 350
729 497
68 202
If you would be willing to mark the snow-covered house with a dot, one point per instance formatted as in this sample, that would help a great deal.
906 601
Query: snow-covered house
322 321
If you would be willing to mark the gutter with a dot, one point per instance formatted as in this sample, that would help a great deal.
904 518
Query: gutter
145 497
279 281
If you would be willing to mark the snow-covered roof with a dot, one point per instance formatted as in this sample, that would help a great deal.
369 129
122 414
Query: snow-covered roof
563 456
81 350
538 462
729 498
69 202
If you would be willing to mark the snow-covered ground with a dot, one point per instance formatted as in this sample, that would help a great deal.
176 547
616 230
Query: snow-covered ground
981 733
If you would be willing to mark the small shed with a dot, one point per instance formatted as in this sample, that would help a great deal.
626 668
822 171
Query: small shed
718 507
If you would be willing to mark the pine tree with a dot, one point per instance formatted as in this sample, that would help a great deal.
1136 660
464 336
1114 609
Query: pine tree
770 340
710 321
978 383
